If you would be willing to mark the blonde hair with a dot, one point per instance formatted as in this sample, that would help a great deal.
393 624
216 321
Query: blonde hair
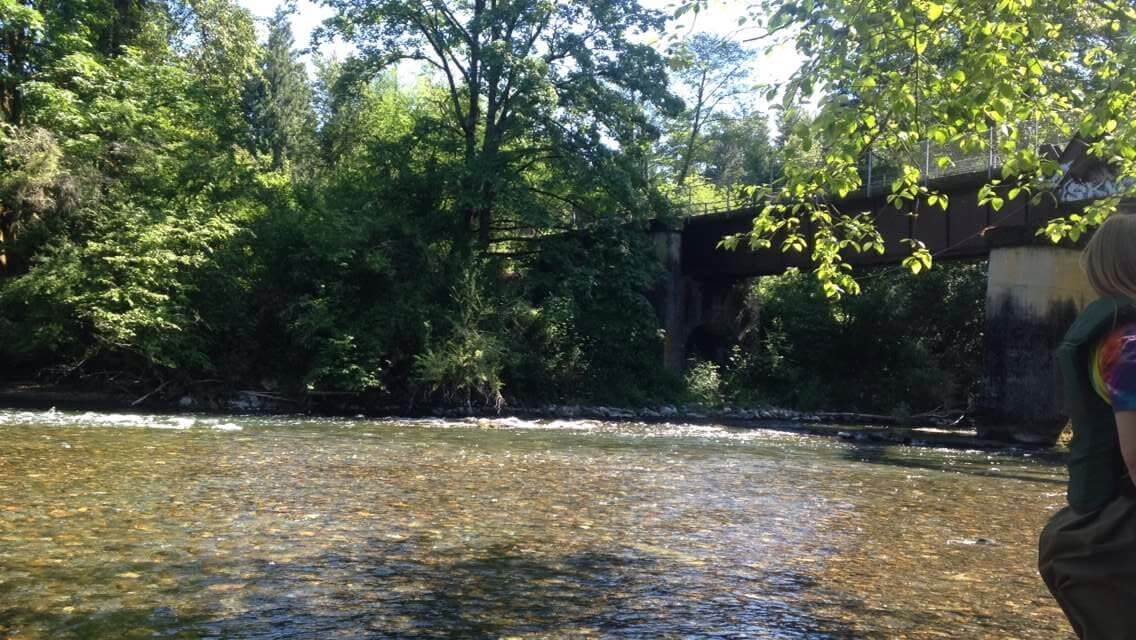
1110 258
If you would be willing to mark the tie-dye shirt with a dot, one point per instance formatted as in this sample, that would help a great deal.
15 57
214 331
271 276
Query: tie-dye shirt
1114 368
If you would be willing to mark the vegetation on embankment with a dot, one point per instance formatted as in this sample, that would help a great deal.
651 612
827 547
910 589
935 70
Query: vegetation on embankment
907 345
187 211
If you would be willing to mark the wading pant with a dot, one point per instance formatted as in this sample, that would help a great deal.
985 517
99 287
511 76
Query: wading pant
1088 561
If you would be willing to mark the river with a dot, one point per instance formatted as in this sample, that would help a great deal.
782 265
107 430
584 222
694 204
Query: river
184 526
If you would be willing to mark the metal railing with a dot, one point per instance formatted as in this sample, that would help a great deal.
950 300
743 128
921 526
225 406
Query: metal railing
879 171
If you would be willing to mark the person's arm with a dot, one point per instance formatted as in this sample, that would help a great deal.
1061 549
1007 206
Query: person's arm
1126 429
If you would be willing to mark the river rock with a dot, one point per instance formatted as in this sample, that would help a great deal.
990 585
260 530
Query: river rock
567 411
973 542
247 401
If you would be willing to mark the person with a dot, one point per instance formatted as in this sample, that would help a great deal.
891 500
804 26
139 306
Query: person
1087 551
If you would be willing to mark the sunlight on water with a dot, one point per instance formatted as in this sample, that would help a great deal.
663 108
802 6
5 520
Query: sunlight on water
189 526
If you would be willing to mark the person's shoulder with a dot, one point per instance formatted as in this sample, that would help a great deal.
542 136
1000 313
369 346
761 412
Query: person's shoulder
1117 307
1097 321
1108 314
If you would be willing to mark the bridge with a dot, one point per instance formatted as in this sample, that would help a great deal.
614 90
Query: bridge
1034 288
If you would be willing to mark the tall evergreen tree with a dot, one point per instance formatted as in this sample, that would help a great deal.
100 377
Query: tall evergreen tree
280 99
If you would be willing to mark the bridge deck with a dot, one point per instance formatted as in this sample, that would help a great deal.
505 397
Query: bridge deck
965 230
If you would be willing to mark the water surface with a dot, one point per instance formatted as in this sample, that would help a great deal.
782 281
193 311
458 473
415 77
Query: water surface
123 526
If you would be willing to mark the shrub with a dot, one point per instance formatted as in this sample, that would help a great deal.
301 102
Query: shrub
704 384
468 361
907 341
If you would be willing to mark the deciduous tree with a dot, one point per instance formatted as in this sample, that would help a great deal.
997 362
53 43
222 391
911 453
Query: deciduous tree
528 83
970 75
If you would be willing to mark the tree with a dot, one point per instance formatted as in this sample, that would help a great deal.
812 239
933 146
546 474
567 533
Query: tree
969 75
121 185
21 26
29 183
738 152
280 98
38 38
528 83
712 70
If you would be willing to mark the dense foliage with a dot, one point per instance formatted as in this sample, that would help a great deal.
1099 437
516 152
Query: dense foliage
907 342
185 206
966 77
180 205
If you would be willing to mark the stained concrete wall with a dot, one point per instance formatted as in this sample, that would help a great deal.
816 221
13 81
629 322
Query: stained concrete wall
689 307
1034 293
669 297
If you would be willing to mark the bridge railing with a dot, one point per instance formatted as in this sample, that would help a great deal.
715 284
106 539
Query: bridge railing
878 171
881 170
727 205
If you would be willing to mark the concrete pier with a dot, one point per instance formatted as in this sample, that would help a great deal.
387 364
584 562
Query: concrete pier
1033 295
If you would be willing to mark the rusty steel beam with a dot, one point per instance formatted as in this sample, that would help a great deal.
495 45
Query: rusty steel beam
966 230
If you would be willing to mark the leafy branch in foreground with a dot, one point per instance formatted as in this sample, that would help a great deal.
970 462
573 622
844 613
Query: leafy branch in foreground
968 77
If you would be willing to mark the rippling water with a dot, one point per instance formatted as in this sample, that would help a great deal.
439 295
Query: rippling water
123 526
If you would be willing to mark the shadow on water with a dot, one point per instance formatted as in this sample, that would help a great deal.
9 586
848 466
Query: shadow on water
881 454
383 589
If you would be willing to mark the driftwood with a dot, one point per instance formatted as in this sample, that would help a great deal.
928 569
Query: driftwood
933 419
147 396
271 396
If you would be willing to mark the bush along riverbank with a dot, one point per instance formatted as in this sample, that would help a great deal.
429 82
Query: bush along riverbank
890 356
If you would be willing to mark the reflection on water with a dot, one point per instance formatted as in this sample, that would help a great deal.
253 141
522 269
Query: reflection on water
189 527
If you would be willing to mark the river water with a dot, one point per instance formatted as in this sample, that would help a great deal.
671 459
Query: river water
130 526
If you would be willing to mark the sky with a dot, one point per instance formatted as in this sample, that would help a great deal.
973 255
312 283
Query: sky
721 18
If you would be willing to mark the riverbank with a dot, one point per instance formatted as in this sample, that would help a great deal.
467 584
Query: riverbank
946 430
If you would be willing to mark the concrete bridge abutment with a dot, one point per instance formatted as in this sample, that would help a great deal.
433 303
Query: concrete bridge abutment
692 311
669 296
1033 295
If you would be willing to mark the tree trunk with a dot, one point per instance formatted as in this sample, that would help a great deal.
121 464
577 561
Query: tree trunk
695 129
484 222
11 102
277 155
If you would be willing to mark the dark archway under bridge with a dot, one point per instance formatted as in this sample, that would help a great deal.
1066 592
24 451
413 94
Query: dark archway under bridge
1034 288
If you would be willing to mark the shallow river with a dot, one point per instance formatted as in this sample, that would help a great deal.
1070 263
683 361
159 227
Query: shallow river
118 526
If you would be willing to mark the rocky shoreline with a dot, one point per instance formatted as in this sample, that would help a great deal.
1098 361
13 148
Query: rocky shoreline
926 430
